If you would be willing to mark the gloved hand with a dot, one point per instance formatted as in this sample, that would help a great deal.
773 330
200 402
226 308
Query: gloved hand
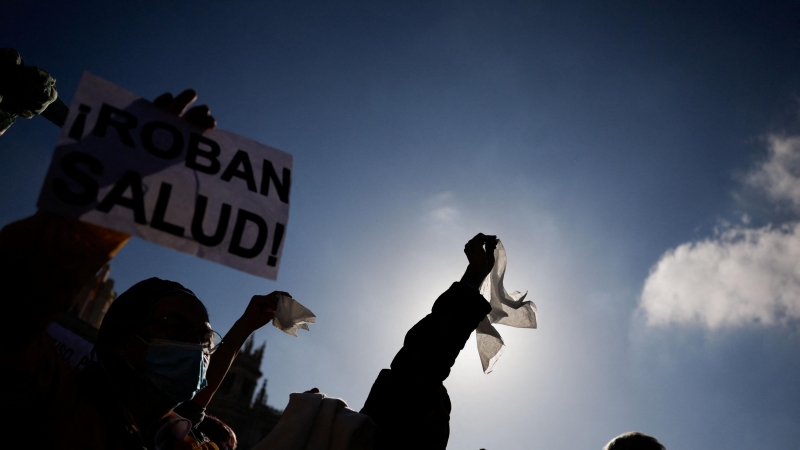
197 115
24 90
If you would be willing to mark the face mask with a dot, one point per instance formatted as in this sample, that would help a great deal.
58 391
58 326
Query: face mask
176 369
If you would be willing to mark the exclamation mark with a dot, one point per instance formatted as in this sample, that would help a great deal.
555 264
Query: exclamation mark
276 244
76 132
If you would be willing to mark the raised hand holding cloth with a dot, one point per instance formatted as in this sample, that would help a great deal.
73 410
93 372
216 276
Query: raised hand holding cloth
290 316
507 309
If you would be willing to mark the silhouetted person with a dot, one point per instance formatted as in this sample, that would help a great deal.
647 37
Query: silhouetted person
634 441
153 348
408 402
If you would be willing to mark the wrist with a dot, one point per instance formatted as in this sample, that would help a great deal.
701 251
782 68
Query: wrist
473 276
472 281
470 285
239 332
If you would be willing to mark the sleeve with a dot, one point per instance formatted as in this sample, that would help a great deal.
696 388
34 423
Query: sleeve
408 402
47 259
432 345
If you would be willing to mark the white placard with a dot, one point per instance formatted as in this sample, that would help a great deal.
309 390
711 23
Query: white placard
73 349
124 164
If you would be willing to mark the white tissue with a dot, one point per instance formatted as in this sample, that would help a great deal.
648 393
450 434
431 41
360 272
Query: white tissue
507 309
291 316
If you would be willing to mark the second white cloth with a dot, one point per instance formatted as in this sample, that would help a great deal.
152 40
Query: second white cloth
507 309
316 422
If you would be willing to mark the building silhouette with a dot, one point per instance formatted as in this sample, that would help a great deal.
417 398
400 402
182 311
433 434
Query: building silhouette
235 404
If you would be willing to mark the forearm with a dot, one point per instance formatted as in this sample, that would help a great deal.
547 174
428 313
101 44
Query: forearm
221 362
433 344
419 368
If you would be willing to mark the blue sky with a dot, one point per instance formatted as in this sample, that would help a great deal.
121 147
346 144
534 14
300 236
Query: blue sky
628 155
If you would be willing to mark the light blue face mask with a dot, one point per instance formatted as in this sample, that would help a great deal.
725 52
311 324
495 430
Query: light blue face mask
176 369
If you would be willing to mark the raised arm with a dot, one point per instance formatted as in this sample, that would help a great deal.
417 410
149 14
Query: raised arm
24 90
257 314
432 345
408 401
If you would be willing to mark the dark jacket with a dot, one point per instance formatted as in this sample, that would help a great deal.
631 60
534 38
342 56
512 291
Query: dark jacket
408 402
44 261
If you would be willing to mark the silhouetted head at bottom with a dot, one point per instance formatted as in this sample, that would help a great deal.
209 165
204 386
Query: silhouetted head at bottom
634 441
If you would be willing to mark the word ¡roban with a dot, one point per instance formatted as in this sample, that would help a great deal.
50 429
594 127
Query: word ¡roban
202 155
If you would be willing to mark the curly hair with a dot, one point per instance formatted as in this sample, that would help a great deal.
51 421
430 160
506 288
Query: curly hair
217 432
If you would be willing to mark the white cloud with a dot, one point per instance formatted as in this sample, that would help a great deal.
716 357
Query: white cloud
440 211
444 214
741 276
779 175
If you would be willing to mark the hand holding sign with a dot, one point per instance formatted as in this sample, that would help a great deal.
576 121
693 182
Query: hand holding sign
199 115
124 163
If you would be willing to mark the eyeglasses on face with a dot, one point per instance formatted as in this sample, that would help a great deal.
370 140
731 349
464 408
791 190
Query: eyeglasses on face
181 328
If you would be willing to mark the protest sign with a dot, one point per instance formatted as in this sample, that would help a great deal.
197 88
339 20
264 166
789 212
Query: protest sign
122 163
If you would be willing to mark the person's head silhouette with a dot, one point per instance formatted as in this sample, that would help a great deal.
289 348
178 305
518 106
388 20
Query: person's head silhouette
155 344
634 441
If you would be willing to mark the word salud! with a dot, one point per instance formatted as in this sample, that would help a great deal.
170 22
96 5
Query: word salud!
205 161
124 164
